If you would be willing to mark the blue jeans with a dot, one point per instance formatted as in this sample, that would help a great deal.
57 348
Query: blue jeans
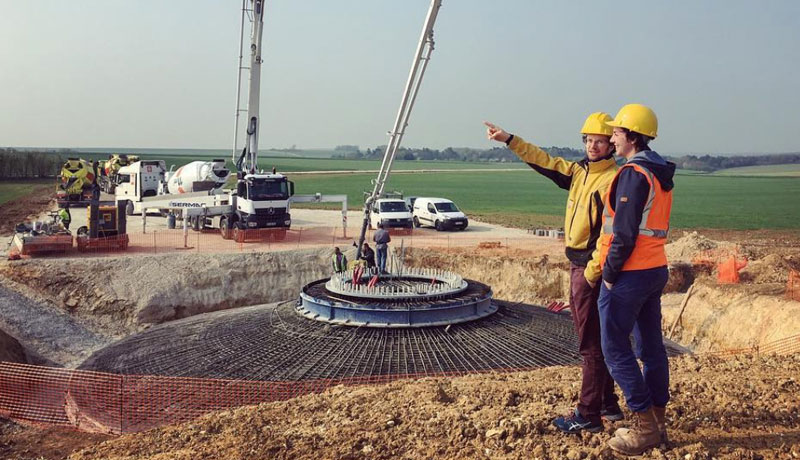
381 253
633 306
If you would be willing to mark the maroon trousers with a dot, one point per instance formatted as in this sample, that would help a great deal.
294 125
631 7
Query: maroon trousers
597 388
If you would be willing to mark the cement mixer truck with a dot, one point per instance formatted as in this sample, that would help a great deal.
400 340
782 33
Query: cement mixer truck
198 176
76 183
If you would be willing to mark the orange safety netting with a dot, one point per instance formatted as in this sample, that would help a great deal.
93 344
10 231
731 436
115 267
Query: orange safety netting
111 403
728 270
793 285
258 240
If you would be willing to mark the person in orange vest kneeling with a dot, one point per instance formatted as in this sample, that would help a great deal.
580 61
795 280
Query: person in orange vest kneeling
631 252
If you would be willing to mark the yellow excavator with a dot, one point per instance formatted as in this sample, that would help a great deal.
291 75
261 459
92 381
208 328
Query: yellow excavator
107 171
77 183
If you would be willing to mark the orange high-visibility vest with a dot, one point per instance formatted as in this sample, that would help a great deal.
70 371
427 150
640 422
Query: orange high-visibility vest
649 250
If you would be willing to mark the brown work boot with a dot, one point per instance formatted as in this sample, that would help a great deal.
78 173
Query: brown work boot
661 417
637 440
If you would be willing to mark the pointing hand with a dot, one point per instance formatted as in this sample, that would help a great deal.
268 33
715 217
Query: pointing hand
496 133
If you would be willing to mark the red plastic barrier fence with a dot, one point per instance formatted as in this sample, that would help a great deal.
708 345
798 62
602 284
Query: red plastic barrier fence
793 285
162 241
102 402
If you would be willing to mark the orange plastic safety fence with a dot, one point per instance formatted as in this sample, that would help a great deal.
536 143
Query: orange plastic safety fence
793 285
101 402
109 403
728 270
162 241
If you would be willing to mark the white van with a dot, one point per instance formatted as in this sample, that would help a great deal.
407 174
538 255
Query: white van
439 213
392 212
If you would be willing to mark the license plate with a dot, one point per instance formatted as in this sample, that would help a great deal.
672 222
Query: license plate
459 223
271 224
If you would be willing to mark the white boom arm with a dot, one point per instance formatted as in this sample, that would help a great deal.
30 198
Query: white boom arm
248 160
418 66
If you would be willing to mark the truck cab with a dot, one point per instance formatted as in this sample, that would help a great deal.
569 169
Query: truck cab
140 180
392 212
262 201
439 213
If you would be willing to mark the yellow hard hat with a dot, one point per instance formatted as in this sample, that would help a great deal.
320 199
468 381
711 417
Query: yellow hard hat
637 118
596 123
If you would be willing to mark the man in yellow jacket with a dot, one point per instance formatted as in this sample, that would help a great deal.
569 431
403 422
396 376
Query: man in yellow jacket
587 181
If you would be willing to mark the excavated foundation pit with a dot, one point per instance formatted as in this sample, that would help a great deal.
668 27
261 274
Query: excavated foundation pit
276 343
438 324
353 324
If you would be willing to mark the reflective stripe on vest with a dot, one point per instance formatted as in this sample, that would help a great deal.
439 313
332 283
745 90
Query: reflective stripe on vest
608 218
338 263
648 251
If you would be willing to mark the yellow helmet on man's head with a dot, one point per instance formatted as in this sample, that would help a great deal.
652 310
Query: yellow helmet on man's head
637 118
597 123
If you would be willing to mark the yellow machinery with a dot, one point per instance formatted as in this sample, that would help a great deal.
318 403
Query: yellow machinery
76 183
106 229
108 170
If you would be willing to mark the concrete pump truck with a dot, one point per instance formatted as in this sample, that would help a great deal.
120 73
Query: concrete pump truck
259 201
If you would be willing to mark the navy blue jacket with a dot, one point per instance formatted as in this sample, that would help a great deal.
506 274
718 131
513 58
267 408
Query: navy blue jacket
635 188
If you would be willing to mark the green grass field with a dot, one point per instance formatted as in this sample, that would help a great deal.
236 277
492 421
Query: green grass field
788 170
741 198
11 190
699 200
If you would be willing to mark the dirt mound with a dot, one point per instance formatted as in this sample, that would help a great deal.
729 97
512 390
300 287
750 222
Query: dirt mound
690 245
730 317
505 416
772 268
19 442
526 278
126 293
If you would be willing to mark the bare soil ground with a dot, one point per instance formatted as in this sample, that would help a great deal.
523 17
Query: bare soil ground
20 209
19 442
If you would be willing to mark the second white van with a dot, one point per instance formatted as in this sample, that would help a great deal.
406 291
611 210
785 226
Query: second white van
439 213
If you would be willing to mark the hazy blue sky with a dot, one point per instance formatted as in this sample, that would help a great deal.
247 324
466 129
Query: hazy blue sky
722 75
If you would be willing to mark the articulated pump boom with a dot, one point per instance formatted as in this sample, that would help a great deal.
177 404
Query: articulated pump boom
248 160
421 58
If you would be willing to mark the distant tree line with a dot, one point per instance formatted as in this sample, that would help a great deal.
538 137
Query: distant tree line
26 164
494 155
707 163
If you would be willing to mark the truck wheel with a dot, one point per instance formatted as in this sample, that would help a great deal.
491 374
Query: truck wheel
129 208
195 223
437 226
416 222
224 229
238 235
